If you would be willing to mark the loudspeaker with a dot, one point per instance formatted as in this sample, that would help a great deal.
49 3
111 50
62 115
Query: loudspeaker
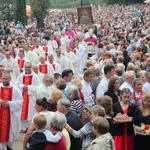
40 23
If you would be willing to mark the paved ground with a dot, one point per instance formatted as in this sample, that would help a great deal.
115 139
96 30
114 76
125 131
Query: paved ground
18 142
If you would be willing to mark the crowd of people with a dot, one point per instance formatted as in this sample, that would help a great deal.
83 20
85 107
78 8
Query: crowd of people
48 77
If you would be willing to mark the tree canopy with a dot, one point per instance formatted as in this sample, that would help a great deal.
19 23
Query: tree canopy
21 11
7 9
39 7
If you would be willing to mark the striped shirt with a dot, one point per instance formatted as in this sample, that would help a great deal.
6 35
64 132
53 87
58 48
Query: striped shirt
76 106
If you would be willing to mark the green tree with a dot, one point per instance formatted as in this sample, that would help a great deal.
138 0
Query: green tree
39 8
7 9
21 11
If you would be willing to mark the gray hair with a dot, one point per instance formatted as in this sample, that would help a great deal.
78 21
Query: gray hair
73 90
50 55
47 77
64 103
118 53
137 56
120 58
98 110
108 62
111 45
131 65
58 121
121 65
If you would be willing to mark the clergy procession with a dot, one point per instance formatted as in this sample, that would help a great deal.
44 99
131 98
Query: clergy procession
73 86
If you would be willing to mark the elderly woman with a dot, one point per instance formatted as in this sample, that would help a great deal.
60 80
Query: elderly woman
86 131
57 124
61 85
76 102
113 89
137 94
77 82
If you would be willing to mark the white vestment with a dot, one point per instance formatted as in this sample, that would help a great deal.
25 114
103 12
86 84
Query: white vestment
43 91
25 60
39 51
53 43
12 65
57 67
64 41
32 57
74 60
50 69
50 49
81 54
15 113
31 92
41 76
63 61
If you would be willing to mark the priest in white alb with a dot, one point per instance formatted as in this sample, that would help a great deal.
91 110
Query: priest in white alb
45 67
11 65
10 112
45 88
28 82
56 66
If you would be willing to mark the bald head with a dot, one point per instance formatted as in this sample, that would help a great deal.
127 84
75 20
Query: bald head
130 77
35 68
42 59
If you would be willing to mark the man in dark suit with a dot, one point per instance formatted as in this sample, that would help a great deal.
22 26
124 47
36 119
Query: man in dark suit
64 106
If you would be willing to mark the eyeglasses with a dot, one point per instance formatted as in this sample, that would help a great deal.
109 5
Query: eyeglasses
49 81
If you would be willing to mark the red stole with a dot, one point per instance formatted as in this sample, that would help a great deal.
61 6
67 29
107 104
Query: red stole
74 51
5 119
43 69
46 51
26 80
54 67
33 47
21 63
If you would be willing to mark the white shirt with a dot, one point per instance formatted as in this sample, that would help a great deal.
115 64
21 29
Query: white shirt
146 87
87 91
102 87
126 85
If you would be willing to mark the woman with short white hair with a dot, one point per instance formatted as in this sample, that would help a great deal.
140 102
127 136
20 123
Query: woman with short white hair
76 102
